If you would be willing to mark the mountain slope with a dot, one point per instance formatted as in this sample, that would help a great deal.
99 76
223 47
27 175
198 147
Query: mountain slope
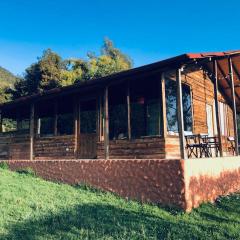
6 78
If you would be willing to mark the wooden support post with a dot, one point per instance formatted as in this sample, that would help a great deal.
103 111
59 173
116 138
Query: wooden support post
180 114
76 127
106 125
129 110
164 108
38 126
18 120
100 118
55 132
32 131
230 69
1 121
215 69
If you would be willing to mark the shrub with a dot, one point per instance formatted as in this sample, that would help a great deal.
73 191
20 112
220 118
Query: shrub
4 165
28 171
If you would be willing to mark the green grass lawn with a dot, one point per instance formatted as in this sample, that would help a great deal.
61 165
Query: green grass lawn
31 208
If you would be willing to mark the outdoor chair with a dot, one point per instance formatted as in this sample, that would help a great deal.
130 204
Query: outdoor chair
192 145
211 145
231 145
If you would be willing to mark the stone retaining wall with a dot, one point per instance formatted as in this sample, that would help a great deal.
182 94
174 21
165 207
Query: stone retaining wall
181 183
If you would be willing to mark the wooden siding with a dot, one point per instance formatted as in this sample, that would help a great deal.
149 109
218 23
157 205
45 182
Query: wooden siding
15 146
61 147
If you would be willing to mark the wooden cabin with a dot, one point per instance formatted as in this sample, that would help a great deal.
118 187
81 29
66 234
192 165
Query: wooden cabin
145 113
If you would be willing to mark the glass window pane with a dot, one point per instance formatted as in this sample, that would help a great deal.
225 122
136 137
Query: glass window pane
65 124
88 116
47 125
118 125
171 105
145 107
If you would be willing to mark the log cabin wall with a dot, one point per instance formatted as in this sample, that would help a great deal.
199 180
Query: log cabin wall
60 147
17 146
202 94
14 146
146 148
168 148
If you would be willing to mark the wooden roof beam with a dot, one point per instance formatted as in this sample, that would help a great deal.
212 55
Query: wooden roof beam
226 78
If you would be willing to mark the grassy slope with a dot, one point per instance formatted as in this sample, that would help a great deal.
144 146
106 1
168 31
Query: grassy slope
31 208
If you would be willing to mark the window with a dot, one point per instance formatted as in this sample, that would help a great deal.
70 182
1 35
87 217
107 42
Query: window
9 125
65 124
118 124
65 119
223 118
145 107
171 105
47 125
88 116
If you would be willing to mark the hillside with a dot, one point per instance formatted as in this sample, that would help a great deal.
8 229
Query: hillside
31 208
6 78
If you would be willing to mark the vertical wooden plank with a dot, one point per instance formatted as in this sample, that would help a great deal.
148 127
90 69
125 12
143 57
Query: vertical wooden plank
18 120
76 127
32 110
106 125
129 110
55 117
100 118
180 114
230 69
1 121
38 126
164 107
98 132
215 69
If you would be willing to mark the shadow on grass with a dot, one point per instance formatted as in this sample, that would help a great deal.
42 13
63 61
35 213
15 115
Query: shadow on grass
99 221
92 222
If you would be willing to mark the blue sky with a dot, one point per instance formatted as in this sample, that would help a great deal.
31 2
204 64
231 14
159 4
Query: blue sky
146 30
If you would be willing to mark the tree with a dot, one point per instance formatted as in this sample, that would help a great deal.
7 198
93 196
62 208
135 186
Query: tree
43 75
52 71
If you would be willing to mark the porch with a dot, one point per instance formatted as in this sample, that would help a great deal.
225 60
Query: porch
158 114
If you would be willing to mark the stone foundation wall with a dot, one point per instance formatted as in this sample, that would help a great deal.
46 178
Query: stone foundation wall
158 181
181 183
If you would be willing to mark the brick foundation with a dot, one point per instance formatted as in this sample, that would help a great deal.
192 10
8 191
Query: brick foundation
159 181
181 183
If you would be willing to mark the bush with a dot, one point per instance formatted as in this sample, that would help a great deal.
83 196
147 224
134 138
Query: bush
4 165
28 171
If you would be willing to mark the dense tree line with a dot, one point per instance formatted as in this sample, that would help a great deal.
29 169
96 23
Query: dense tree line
52 71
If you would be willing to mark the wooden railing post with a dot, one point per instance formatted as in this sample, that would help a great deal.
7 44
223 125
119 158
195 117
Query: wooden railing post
215 69
230 69
164 108
1 120
106 125
32 110
76 127
180 114
129 111
55 118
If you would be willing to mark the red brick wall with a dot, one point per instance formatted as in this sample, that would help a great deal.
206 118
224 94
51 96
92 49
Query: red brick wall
158 181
